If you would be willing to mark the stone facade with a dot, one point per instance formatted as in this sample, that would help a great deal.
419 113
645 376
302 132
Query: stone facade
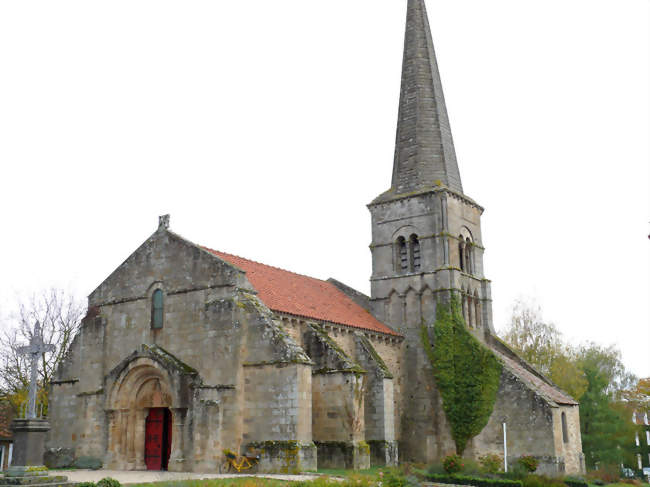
245 357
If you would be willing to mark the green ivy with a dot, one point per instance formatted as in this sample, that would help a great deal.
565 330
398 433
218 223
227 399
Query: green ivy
466 372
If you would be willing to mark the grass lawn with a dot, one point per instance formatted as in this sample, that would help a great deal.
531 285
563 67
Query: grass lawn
238 482
340 472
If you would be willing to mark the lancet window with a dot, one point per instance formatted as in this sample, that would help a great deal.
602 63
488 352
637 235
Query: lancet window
401 255
157 308
414 247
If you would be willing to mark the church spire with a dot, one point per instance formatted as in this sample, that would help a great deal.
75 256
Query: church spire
424 149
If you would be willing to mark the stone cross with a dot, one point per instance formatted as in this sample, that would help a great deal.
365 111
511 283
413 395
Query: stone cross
35 348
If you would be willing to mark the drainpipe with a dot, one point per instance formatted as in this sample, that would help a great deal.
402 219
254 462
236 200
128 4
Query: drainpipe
505 449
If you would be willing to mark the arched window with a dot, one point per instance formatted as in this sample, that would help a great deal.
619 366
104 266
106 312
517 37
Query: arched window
401 255
157 309
461 252
565 431
414 243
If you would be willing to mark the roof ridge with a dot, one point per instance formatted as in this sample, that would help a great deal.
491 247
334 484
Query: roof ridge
265 265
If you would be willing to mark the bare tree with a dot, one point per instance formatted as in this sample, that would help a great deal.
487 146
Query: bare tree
60 316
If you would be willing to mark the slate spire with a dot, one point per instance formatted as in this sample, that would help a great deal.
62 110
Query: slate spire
424 149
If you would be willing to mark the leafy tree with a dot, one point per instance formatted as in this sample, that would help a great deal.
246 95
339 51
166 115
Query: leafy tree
60 316
537 342
541 344
607 432
593 374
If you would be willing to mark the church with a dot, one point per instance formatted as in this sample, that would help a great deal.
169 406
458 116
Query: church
187 351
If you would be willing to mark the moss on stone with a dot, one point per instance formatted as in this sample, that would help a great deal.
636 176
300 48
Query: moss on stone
91 393
289 451
347 364
167 358
365 342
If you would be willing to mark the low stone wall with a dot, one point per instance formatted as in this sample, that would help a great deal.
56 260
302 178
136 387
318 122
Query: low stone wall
341 454
285 456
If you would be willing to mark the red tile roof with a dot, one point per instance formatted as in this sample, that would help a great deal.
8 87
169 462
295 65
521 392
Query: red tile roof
295 294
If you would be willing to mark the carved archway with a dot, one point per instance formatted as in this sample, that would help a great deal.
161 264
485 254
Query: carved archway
149 378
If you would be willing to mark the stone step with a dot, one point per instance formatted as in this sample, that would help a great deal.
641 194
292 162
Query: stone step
33 480
64 483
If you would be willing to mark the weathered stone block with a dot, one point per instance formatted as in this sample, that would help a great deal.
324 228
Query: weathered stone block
341 454
59 457
285 456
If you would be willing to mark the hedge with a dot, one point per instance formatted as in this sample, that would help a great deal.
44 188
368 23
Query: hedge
475 481
575 482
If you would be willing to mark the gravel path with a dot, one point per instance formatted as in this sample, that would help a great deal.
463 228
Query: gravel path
137 477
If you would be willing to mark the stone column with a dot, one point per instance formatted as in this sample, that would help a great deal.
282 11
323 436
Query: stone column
176 457
139 438
112 418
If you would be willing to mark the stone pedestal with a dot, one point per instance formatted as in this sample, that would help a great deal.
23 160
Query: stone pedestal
29 441
27 461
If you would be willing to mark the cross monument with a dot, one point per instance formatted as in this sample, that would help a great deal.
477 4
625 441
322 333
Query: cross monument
35 349
27 467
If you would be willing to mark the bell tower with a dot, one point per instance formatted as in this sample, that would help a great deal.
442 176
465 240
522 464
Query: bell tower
426 240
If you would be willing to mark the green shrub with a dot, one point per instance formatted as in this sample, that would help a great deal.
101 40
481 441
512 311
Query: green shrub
541 481
471 467
86 484
436 468
575 482
91 463
452 463
396 478
474 481
608 474
108 482
515 472
529 462
491 463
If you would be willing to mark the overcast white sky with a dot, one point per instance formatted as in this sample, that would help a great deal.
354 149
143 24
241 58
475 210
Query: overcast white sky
265 127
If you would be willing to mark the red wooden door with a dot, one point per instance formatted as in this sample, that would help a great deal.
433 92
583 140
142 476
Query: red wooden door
153 443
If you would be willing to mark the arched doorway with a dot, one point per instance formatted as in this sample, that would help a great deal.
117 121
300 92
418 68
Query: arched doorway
149 379
158 438
140 419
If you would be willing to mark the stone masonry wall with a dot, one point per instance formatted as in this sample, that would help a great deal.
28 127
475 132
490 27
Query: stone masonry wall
213 325
278 403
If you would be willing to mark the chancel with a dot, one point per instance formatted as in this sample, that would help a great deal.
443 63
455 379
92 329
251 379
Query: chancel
188 351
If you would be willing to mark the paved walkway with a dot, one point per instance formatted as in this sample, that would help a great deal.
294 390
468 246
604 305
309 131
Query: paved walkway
138 477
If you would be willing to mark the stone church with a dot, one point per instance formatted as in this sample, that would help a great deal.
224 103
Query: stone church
187 351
